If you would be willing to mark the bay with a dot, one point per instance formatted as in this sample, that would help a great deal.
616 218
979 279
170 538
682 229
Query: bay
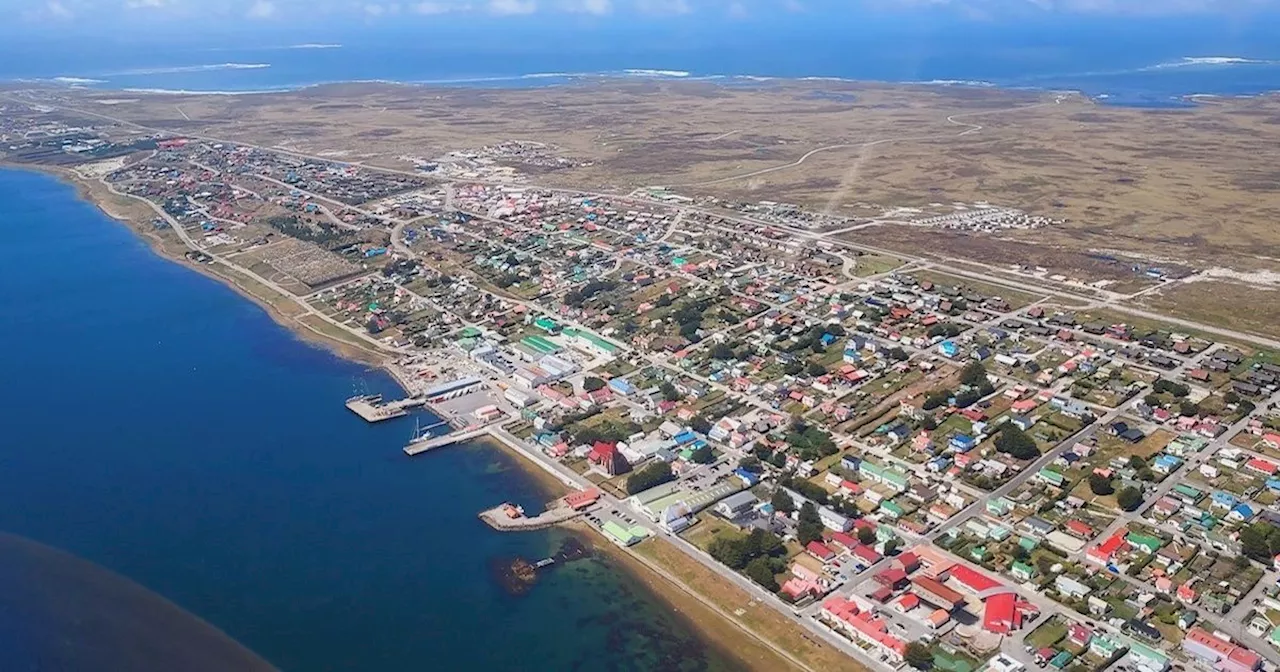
166 429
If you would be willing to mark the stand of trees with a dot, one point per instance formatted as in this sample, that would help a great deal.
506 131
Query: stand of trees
810 442
653 475
1129 499
810 527
1015 442
759 555
1100 485
1260 541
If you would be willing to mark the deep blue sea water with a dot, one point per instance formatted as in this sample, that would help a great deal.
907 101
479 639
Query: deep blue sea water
1148 62
161 426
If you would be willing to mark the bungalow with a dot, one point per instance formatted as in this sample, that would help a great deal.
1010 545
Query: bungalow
820 551
1068 586
1051 477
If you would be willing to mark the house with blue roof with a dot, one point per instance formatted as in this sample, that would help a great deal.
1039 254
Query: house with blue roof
621 386
1241 513
1223 500
850 462
949 348
963 443
687 436
748 478
1166 464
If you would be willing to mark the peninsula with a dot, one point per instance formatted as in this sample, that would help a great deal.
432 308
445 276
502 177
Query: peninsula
883 376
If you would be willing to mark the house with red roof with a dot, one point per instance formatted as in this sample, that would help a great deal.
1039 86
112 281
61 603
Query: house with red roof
867 555
906 603
1079 635
1024 406
892 577
1104 552
820 551
907 562
1261 466
973 580
848 542
1221 654
1079 528
1007 612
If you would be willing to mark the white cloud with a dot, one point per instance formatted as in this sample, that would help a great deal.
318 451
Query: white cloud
596 7
147 4
664 7
738 10
512 7
434 8
58 10
262 9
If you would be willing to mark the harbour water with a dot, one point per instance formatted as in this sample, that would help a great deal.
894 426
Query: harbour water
164 428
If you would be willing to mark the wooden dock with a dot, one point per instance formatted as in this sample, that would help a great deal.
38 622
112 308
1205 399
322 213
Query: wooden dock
371 408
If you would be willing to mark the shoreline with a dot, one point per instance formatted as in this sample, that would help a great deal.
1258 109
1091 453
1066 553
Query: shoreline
88 192
552 80
695 611
692 609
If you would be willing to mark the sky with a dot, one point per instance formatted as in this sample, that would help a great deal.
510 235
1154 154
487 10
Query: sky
38 14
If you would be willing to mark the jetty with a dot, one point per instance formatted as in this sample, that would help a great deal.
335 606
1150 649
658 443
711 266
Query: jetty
372 408
510 518
424 444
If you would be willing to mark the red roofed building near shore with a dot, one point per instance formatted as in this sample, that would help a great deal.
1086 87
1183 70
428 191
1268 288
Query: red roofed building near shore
581 499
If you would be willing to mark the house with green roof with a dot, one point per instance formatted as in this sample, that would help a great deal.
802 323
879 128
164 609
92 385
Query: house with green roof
999 507
547 324
1104 646
1146 542
1022 571
1051 477
589 341
1187 493
1147 658
887 475
892 508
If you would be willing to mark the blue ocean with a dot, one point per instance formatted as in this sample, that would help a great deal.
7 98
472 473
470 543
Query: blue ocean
180 485
1155 62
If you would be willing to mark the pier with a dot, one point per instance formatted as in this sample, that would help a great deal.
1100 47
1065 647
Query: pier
423 445
373 409
507 518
